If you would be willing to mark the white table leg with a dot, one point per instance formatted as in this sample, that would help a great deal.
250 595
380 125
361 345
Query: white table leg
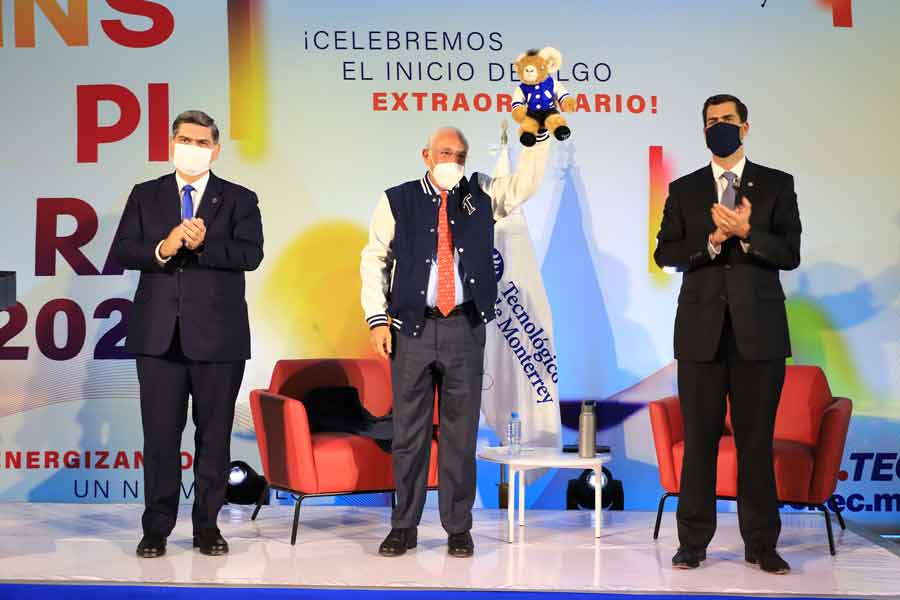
598 500
511 505
522 498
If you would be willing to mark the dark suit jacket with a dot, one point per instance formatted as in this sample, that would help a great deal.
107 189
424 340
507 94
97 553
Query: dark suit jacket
746 283
203 289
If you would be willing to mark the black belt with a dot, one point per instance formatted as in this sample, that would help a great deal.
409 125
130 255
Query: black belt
459 309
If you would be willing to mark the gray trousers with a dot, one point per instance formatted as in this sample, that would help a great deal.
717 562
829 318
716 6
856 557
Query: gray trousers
448 356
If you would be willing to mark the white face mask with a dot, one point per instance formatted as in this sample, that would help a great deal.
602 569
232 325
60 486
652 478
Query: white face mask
447 174
192 160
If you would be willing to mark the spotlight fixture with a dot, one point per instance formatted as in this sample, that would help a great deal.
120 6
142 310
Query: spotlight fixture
245 486
580 491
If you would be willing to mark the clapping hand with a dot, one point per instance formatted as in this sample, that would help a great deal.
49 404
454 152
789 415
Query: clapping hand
732 222
194 232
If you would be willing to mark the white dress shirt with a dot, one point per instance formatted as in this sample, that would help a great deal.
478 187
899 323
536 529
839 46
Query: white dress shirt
377 261
721 184
196 196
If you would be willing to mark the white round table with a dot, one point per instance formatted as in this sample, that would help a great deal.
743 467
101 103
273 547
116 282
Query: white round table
542 458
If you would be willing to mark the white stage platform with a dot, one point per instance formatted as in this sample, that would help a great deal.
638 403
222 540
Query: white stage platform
337 548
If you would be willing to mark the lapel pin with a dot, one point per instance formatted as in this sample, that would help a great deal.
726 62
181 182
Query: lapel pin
749 184
216 199
467 204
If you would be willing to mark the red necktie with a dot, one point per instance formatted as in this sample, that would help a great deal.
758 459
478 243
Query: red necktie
446 289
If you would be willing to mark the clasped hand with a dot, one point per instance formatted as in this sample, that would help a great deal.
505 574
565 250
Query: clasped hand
190 233
731 222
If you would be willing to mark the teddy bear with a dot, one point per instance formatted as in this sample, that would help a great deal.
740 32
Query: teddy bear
538 99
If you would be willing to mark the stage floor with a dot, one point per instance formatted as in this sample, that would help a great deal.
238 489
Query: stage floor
337 548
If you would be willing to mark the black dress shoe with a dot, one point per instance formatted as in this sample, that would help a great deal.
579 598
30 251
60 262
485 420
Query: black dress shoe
211 543
460 545
768 560
398 541
151 546
688 558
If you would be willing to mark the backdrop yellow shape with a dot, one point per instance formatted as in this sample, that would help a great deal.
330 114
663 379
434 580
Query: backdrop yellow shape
311 296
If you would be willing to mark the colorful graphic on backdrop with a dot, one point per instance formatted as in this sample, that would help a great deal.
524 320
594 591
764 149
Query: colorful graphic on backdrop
321 108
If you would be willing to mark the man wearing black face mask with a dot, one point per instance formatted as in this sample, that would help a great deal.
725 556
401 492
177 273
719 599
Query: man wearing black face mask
730 227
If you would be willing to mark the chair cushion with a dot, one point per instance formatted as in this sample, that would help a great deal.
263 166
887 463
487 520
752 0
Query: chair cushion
726 477
793 468
346 462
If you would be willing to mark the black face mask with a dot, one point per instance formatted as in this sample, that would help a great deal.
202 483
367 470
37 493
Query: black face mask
723 139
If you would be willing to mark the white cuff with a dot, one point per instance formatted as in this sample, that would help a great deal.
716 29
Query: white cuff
713 253
159 257
378 321
745 246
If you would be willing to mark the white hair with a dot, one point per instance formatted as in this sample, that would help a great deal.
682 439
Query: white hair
445 129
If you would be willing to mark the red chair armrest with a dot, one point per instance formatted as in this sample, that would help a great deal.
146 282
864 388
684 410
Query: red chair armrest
830 449
284 441
668 430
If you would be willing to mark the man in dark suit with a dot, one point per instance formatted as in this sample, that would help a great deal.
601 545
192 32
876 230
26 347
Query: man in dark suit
730 227
191 235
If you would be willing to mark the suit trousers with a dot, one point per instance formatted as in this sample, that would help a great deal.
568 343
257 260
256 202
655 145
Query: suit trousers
447 356
166 382
753 388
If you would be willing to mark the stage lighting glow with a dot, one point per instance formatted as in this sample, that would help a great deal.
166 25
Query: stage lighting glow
237 475
580 491
592 477
245 486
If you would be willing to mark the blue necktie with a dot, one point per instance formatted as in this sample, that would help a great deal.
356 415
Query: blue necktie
187 203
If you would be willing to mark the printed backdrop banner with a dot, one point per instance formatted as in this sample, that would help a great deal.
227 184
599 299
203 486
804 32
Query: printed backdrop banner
519 361
324 105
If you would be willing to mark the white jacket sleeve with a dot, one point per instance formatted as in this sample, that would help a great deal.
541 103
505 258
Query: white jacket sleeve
510 191
376 264
518 98
560 91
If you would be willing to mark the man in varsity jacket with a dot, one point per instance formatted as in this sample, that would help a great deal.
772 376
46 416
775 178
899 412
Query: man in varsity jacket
428 290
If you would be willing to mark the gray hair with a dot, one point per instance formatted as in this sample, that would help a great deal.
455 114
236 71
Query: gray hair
196 117
444 129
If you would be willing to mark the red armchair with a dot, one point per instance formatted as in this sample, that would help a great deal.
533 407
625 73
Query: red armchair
810 431
322 464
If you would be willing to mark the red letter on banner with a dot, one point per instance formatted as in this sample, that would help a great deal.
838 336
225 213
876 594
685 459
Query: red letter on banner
158 122
159 32
47 242
90 133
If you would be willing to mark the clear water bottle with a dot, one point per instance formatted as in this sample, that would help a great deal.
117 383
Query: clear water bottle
514 434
